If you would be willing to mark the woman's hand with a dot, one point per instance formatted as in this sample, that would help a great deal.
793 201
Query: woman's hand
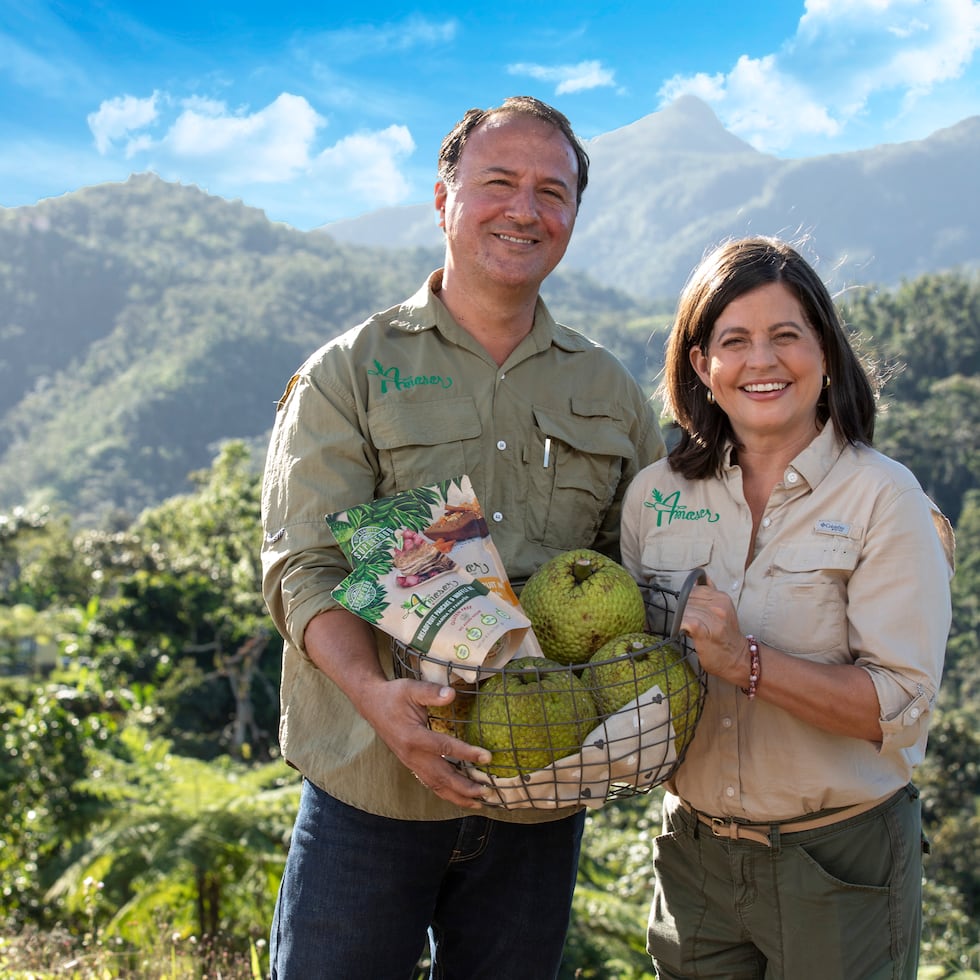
711 622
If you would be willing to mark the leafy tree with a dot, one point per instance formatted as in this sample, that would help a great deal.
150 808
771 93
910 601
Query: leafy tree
936 438
927 329
189 618
46 732
203 840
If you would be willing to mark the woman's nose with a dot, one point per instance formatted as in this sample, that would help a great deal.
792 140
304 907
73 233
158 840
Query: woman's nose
762 351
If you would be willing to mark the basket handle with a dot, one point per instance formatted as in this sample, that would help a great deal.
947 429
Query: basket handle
695 577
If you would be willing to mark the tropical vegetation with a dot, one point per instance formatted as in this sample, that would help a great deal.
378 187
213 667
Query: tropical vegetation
146 811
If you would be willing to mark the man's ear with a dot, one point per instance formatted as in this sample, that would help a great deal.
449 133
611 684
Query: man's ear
441 193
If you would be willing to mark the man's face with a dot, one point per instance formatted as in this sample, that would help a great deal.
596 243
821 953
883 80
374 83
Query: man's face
509 213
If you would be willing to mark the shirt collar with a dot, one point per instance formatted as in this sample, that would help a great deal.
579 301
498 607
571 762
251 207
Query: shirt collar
813 463
423 311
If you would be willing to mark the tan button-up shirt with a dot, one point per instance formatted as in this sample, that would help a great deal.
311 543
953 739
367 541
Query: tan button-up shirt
550 441
848 568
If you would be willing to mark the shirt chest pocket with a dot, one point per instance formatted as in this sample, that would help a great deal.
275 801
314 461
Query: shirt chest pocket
668 560
421 443
806 604
575 466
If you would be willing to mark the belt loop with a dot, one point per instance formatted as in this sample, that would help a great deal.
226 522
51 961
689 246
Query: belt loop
774 841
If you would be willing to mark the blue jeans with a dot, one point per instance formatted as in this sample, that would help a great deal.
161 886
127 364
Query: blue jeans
360 893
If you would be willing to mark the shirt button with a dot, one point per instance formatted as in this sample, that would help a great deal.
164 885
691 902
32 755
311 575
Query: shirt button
726 723
501 445
735 586
766 521
503 376
497 516
914 713
729 791
791 477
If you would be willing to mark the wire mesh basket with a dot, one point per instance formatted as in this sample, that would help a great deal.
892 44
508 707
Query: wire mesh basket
565 735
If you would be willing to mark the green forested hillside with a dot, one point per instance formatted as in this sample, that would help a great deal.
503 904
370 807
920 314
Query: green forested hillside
145 333
141 323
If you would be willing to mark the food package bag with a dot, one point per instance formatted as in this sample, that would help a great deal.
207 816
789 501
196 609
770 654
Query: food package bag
426 571
634 747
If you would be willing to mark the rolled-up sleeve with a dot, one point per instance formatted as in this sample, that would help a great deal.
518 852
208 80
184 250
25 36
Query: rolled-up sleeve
899 613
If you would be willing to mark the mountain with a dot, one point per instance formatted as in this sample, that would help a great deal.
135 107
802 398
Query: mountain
144 322
668 186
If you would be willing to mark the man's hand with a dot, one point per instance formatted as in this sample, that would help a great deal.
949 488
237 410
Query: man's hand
398 713
343 647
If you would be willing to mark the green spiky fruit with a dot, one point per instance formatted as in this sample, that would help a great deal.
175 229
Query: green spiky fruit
530 713
631 664
579 600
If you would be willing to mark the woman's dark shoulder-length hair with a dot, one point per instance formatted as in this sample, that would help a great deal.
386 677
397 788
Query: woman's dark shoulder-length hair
729 271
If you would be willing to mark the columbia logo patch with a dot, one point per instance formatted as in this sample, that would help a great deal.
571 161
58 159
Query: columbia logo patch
832 527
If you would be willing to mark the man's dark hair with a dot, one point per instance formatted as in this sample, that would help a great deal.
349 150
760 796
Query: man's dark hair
452 146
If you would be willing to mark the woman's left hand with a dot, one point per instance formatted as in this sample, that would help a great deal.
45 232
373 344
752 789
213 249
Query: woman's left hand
711 622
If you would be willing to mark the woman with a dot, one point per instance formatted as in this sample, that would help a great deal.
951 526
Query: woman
792 836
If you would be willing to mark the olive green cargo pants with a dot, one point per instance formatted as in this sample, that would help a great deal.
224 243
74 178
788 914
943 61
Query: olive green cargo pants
839 903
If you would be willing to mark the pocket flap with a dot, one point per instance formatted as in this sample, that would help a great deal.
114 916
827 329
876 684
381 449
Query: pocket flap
590 433
801 557
668 553
431 423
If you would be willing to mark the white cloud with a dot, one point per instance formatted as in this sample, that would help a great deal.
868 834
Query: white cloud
270 145
568 78
271 153
116 118
372 40
844 54
367 164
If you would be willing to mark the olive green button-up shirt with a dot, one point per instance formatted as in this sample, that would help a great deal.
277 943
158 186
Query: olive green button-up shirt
848 567
550 440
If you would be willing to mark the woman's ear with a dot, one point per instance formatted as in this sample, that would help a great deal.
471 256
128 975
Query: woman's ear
699 361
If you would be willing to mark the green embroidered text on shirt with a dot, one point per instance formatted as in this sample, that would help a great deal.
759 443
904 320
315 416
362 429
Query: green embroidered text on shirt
671 508
392 376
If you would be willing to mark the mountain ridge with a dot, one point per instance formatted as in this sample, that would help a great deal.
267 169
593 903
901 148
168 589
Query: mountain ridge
665 188
143 322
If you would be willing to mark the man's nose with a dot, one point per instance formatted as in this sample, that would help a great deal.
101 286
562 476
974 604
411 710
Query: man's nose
523 204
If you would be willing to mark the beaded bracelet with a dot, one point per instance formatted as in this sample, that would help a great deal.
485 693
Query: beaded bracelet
755 668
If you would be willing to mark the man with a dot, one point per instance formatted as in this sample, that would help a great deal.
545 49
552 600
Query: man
391 840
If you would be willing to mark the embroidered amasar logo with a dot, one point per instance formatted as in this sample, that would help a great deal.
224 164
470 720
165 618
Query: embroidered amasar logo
392 377
672 509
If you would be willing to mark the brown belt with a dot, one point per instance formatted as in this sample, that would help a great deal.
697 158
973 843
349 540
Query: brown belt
730 829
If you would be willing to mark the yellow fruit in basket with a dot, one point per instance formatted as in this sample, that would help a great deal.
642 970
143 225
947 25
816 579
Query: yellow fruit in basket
530 713
450 719
579 600
627 666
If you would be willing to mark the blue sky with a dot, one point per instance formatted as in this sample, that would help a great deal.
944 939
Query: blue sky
315 115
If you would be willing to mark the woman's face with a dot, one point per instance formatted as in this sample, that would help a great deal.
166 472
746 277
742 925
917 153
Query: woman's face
764 365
